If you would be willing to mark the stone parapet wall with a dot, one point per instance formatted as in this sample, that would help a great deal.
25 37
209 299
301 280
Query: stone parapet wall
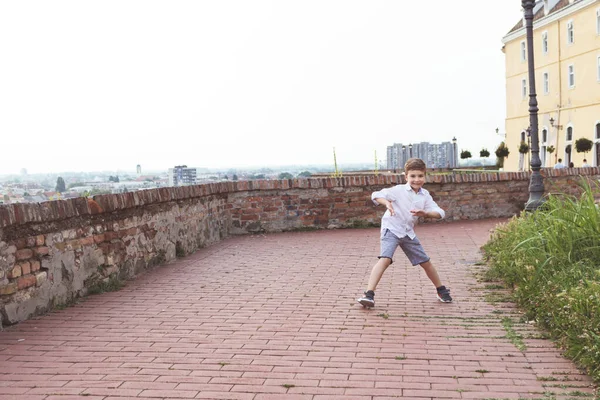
54 252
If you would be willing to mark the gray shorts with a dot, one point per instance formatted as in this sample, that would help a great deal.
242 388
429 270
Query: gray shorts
411 247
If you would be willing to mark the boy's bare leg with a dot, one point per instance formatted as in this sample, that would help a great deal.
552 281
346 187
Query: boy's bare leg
431 273
377 272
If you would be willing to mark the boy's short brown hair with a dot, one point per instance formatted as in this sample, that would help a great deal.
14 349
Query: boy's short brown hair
414 164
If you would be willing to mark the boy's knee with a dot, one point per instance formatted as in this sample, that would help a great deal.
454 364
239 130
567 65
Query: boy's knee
385 261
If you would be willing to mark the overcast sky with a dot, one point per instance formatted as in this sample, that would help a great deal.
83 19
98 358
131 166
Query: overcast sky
106 85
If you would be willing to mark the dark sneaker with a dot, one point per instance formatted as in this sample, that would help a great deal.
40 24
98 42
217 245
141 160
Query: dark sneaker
368 299
443 294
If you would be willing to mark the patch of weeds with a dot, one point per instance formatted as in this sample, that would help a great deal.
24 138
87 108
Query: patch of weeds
482 371
514 337
112 284
223 363
561 386
494 286
578 393
546 378
179 251
499 298
288 385
400 357
542 335
384 315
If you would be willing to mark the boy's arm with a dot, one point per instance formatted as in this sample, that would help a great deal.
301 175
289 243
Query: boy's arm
426 214
387 203
430 210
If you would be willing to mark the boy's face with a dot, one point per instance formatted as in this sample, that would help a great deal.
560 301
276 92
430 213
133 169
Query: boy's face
416 179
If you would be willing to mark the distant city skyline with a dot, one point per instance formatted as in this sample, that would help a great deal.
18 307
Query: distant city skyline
242 84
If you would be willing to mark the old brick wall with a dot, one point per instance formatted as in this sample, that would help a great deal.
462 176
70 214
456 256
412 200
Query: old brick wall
54 252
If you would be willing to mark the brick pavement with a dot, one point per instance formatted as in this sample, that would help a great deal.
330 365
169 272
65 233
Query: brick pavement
274 317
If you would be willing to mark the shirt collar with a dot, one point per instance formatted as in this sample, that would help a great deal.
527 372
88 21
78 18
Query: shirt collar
410 189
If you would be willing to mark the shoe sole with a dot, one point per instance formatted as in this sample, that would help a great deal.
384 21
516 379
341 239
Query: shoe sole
366 304
443 301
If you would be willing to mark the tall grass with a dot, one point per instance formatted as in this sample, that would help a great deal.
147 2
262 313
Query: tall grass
551 258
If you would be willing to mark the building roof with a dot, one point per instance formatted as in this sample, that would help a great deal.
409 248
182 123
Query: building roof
538 11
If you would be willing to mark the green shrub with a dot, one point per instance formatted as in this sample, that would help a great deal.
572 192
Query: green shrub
551 258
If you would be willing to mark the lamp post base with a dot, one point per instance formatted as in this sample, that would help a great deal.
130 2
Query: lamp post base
533 205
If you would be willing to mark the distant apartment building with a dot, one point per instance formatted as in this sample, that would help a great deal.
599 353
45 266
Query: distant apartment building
181 175
435 155
566 47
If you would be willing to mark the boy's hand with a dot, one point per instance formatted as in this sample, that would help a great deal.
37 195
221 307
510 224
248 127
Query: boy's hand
390 207
422 213
418 213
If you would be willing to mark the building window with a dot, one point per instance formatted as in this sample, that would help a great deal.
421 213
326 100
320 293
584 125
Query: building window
569 134
571 73
598 21
598 68
524 88
570 33
523 51
544 136
598 131
546 83
545 43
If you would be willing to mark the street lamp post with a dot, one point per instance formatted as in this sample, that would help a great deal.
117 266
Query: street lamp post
529 147
454 150
410 150
536 183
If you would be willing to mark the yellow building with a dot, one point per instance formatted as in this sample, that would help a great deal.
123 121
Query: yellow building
566 41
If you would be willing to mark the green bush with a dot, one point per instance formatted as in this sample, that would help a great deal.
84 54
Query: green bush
523 148
551 258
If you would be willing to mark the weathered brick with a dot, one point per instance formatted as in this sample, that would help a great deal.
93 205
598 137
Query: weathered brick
40 278
35 265
20 243
31 241
8 289
24 254
74 244
86 241
25 267
15 272
108 236
40 240
26 281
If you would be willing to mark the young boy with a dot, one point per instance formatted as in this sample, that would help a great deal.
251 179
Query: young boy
405 203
